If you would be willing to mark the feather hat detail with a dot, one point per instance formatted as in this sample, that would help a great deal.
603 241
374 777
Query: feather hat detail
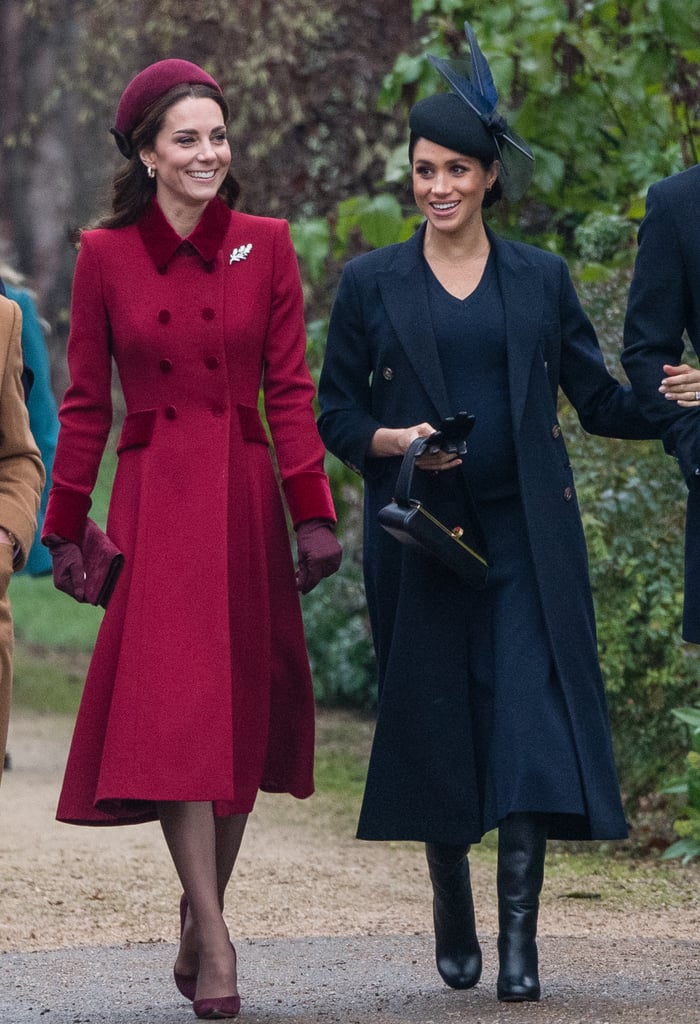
471 80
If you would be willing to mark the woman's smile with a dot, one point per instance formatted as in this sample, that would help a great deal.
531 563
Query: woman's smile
442 208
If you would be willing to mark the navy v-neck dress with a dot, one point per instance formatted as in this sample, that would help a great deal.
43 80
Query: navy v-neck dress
525 753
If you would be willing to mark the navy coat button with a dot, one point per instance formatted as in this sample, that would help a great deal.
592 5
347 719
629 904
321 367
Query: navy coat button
170 412
568 493
211 363
165 365
556 431
388 373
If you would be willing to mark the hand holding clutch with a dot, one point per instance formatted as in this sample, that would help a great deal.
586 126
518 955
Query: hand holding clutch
68 566
87 572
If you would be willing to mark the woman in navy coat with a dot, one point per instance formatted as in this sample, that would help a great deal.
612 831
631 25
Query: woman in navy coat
492 710
199 692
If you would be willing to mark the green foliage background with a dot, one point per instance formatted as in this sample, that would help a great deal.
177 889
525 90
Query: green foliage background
687 825
605 92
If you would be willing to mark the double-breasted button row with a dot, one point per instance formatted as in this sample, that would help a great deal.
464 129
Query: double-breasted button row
165 316
211 363
568 492
217 409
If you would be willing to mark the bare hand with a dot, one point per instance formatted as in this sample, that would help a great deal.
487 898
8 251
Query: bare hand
681 385
388 441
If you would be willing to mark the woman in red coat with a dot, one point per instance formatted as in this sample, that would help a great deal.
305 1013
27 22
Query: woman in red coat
199 691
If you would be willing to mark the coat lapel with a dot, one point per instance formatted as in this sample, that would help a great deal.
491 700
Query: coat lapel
522 292
405 297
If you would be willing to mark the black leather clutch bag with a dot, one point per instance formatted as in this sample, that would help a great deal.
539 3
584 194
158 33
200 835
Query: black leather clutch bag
460 547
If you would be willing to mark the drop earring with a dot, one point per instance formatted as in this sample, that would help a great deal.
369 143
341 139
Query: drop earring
151 171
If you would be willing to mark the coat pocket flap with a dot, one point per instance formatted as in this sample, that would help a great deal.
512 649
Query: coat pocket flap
252 428
137 430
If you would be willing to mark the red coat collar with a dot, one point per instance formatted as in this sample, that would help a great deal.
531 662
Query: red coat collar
162 241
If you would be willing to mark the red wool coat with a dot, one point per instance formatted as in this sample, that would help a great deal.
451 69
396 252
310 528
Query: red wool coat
199 685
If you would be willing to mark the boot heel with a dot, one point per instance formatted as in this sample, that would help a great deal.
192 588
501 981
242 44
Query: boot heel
522 841
518 980
457 950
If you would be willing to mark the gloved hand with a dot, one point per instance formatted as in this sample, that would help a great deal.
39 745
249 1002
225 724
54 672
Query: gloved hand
319 552
68 567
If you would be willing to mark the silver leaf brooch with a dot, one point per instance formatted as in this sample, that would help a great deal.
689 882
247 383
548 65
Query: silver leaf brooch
241 252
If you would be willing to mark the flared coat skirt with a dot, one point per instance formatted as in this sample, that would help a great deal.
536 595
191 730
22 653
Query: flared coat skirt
473 722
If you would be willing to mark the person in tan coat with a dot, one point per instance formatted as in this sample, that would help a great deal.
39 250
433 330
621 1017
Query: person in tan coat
21 482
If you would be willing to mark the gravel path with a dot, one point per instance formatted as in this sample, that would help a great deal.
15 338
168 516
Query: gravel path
327 928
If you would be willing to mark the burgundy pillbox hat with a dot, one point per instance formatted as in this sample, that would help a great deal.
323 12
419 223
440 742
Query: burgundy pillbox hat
148 86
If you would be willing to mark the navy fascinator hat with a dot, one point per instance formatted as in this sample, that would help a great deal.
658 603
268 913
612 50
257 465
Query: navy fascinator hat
467 121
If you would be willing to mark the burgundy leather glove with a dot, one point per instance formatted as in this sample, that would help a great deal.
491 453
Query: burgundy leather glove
68 567
319 552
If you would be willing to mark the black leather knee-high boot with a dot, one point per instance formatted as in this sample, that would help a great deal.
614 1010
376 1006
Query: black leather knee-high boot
457 951
522 841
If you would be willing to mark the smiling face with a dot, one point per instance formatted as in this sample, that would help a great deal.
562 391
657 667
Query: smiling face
190 154
449 187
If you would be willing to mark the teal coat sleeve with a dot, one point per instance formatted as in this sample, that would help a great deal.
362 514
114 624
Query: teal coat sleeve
43 415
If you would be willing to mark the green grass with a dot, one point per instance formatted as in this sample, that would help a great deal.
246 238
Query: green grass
343 741
53 639
44 617
50 683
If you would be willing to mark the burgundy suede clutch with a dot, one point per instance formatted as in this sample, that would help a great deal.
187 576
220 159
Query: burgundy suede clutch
103 562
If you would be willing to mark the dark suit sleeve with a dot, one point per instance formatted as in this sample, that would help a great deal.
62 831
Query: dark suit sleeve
346 422
604 405
657 314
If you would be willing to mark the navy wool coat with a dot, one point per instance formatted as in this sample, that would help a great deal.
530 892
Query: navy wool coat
664 302
382 369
